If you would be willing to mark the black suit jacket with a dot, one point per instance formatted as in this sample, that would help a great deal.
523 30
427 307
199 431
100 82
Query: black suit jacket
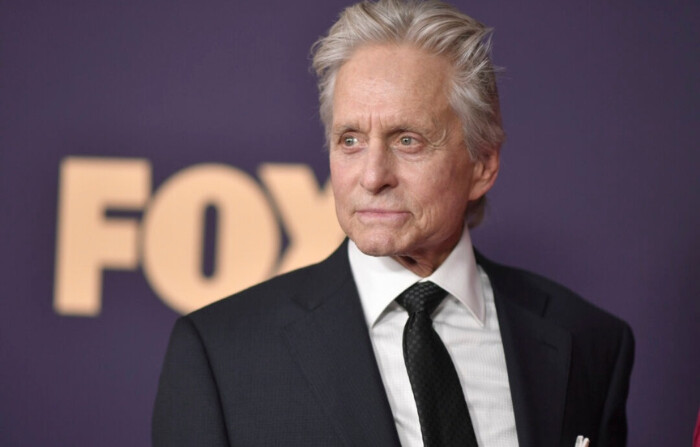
289 362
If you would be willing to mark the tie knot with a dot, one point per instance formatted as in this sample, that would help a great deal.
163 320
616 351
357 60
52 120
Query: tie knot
421 297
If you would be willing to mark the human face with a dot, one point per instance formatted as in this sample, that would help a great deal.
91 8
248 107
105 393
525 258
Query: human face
401 174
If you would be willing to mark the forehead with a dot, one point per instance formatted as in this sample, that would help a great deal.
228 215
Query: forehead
391 82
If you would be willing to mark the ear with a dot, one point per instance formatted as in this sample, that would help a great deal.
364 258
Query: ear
484 175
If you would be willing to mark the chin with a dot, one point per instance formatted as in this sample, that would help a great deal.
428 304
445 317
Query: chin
376 245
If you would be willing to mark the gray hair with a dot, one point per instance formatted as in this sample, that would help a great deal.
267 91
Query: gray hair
437 28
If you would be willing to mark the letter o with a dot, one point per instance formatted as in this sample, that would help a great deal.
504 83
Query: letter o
248 239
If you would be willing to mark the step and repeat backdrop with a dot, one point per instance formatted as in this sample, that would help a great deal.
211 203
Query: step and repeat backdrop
158 155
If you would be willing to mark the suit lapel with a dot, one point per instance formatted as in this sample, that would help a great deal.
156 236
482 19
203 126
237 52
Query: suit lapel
332 347
537 357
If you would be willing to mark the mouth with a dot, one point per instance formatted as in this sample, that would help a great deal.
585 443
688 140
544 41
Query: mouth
380 215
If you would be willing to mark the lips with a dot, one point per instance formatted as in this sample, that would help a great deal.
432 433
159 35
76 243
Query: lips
381 215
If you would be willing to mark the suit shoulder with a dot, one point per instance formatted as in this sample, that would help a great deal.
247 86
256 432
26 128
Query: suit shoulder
280 299
562 304
259 298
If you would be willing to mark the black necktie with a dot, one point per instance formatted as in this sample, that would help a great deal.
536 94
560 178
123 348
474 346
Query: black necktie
444 417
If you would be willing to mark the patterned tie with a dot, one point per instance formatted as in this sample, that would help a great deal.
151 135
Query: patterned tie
444 417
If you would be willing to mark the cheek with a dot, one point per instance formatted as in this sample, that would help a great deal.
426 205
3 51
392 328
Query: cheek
341 186
336 174
447 195
440 186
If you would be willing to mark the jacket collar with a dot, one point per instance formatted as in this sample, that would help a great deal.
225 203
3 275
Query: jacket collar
332 347
538 355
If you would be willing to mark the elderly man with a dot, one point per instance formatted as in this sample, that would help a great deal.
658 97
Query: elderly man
405 335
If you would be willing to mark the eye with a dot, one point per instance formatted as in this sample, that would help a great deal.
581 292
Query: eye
349 141
406 141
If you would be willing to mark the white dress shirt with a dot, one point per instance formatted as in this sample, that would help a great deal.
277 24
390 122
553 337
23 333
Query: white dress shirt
466 322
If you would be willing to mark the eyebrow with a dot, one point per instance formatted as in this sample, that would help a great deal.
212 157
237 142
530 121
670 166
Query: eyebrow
343 128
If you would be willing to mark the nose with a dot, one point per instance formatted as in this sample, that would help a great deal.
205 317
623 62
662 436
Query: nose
378 173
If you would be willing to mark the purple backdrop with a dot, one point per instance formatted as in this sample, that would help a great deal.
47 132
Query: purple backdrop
598 188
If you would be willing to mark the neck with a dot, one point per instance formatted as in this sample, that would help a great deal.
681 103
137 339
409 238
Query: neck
420 266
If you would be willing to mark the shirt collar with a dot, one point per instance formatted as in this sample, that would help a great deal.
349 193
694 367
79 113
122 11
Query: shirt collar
380 279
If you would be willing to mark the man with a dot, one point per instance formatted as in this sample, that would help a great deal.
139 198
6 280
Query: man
404 335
